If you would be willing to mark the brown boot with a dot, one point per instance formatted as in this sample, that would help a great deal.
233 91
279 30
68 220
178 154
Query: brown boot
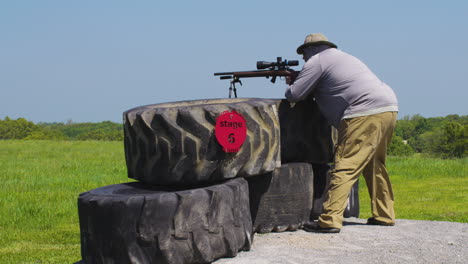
373 221
316 228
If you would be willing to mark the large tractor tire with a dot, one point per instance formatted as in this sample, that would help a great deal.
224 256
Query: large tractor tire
175 143
305 133
139 223
281 200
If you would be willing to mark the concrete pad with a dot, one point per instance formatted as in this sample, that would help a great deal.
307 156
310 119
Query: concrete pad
409 241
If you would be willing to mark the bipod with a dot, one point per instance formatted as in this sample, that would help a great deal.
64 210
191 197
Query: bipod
232 88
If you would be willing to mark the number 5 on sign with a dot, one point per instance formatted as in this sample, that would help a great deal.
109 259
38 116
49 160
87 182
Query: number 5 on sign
230 131
231 138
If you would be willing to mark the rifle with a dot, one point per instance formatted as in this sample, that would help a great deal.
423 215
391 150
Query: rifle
275 69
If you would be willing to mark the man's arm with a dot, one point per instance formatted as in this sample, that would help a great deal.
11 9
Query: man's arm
306 81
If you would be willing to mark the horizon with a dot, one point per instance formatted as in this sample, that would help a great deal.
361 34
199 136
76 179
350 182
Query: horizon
71 121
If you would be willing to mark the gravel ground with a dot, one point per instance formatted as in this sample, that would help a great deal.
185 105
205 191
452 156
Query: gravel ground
409 241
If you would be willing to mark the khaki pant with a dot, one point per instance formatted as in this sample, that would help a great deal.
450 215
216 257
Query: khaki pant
361 148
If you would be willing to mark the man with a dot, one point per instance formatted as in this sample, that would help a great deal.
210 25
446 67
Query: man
364 111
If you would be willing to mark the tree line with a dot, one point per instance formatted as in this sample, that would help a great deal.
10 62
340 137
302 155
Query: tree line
26 130
444 137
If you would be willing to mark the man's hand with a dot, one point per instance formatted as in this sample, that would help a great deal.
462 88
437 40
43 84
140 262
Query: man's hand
292 77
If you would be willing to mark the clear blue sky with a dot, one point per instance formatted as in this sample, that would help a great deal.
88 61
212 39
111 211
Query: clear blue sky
89 61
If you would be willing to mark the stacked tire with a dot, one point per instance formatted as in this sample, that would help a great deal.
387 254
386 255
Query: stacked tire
281 200
193 202
140 223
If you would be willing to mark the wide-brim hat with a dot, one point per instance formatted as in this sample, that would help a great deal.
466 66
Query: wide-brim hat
314 39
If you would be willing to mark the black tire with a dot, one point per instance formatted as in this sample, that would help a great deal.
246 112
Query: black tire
281 200
352 209
139 223
174 143
305 133
321 182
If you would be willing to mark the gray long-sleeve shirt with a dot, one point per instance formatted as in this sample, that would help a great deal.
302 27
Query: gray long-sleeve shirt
343 86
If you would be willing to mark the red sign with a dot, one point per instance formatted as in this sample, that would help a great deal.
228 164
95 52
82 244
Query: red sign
230 130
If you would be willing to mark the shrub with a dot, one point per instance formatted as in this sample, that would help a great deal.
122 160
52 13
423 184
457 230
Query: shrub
398 147
17 129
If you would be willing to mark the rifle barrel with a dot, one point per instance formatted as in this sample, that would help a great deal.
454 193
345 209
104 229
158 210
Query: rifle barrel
223 73
245 74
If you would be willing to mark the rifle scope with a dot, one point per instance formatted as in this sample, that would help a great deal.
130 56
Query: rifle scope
280 64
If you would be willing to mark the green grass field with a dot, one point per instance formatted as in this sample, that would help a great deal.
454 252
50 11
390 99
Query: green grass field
425 189
41 180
